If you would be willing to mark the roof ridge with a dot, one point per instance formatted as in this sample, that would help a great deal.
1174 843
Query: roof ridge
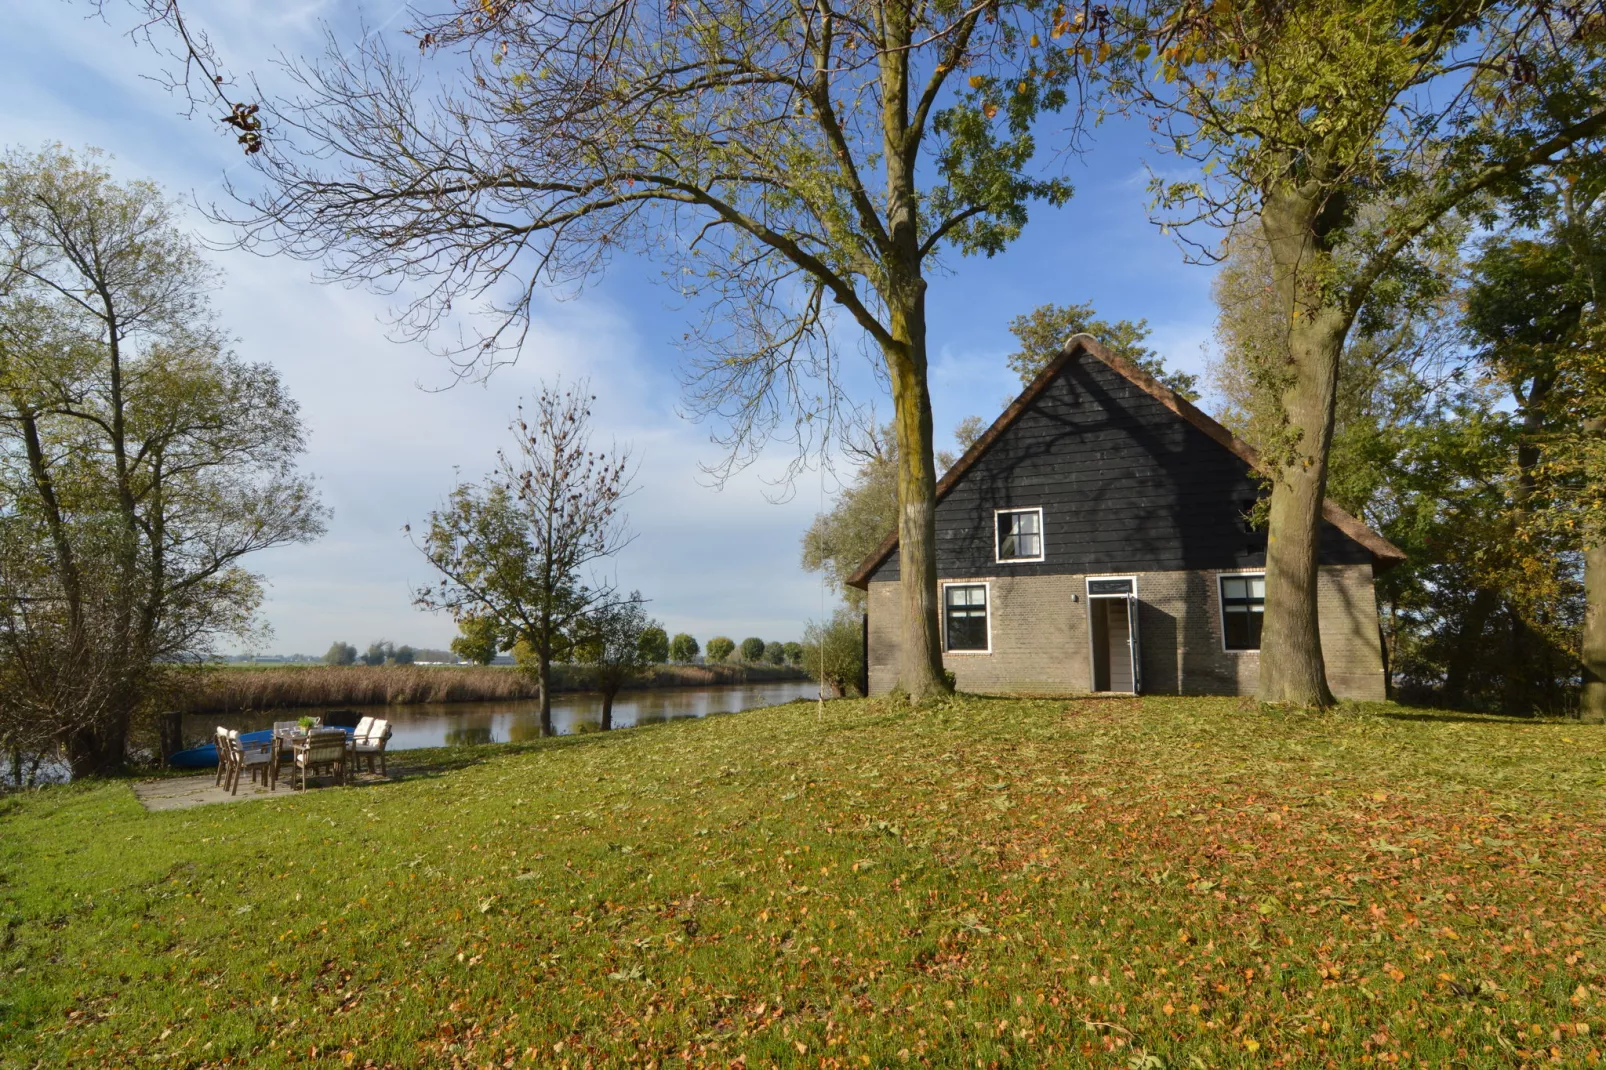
1385 554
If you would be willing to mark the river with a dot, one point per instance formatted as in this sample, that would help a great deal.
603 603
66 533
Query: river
444 724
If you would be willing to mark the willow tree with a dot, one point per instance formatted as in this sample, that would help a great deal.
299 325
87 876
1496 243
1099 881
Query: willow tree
140 460
1346 129
799 165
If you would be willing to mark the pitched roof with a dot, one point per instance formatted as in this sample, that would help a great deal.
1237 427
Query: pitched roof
1385 554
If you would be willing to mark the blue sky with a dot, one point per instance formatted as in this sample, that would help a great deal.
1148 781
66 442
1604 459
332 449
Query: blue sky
386 443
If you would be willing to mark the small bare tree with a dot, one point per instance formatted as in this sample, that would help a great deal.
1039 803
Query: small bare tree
517 548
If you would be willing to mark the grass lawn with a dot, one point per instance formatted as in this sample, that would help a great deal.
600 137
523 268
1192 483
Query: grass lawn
1142 884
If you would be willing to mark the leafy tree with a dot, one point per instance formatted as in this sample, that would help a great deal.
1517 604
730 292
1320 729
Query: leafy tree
340 654
654 645
610 644
516 547
1043 332
478 639
378 653
1347 131
403 655
720 648
833 652
866 509
1534 310
752 650
819 157
140 460
775 653
794 653
683 648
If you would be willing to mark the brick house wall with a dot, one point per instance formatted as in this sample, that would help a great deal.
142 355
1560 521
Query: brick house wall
1039 637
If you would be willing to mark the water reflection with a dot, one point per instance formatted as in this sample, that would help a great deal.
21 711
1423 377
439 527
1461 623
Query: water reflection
465 723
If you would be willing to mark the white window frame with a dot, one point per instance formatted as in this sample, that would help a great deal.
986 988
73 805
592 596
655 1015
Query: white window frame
1221 611
987 586
1042 537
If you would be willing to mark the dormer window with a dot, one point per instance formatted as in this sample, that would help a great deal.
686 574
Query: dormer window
1019 535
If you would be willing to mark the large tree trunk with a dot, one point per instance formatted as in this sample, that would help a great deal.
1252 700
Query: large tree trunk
920 650
1592 706
98 751
607 709
920 670
1291 667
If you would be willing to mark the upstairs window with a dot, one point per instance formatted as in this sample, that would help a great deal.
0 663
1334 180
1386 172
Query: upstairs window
964 607
1020 535
1243 608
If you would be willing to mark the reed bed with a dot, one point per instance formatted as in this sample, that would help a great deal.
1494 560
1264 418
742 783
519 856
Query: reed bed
237 690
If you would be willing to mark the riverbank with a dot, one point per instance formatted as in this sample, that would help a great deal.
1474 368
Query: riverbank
242 690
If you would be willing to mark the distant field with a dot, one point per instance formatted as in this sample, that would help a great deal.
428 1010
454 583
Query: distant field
1112 883
253 687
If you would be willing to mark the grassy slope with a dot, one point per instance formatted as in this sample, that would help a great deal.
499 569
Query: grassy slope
1019 882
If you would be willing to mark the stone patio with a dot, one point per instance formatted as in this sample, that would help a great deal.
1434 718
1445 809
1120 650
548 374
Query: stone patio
181 793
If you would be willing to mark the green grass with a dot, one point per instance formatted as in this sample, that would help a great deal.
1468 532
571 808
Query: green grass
1167 883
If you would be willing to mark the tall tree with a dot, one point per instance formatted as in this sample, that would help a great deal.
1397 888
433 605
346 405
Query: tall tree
1346 130
1043 332
788 160
1534 311
140 460
518 547
866 507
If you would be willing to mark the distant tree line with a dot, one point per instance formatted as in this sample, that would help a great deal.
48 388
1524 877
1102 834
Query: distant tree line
379 652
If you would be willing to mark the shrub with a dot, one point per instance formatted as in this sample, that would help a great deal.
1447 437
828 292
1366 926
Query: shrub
752 649
833 652
654 645
683 648
719 648
775 653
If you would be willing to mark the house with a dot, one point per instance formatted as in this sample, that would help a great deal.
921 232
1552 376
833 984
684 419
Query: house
1096 538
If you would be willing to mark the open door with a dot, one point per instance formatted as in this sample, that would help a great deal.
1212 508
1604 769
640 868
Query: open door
1112 606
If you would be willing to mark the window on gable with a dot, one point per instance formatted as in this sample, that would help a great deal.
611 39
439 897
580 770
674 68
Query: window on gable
965 616
1243 608
1020 534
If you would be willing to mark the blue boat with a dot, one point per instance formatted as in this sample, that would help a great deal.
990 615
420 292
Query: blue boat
206 757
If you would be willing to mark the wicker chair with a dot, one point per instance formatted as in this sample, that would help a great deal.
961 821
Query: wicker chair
372 744
324 748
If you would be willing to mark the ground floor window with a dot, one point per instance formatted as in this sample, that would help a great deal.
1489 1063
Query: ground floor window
965 616
1243 608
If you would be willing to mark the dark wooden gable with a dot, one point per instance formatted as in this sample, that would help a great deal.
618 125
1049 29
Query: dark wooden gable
1129 478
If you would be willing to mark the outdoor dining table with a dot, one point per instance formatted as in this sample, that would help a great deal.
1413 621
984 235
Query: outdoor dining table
289 738
292 739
